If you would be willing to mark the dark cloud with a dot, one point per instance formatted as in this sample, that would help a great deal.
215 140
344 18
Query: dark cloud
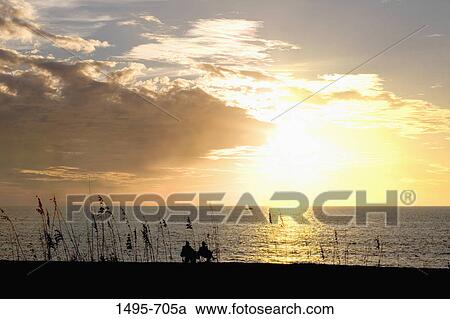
57 113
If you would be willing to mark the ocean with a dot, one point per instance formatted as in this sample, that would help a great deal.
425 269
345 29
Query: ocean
422 239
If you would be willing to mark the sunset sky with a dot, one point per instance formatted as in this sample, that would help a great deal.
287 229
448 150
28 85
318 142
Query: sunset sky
225 69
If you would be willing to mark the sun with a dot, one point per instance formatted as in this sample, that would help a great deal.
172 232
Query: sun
298 155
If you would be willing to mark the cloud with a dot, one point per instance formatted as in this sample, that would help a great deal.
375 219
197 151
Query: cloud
65 173
219 71
256 75
127 23
356 101
64 114
7 90
75 174
127 74
74 43
152 19
13 12
235 153
214 70
361 101
17 22
218 41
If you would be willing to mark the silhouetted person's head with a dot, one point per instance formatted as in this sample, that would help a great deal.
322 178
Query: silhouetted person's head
187 243
203 244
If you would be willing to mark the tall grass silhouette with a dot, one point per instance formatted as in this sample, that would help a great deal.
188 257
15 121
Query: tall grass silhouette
104 237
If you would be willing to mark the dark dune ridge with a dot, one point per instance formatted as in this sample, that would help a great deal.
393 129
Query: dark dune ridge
218 280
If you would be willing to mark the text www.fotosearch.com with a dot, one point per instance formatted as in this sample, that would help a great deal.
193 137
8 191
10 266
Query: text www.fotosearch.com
246 309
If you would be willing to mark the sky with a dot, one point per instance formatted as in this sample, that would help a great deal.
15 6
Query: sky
186 96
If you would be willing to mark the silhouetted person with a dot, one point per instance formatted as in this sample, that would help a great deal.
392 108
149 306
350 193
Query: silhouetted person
188 254
204 252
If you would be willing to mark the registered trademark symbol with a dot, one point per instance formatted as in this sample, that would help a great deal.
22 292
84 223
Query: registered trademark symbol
408 197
